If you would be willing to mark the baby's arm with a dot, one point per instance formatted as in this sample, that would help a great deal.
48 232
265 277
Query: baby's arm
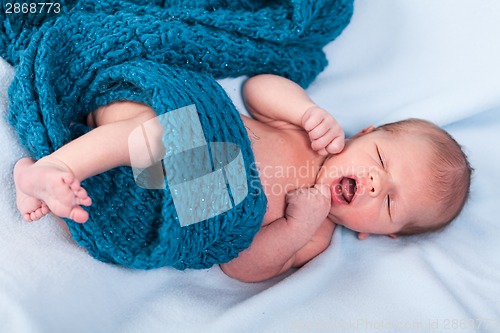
283 104
288 241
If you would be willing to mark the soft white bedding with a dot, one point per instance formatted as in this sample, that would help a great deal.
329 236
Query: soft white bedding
415 58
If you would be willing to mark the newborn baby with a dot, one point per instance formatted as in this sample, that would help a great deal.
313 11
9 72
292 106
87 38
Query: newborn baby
402 178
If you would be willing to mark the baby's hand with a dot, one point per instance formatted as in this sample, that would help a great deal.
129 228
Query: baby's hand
326 135
308 207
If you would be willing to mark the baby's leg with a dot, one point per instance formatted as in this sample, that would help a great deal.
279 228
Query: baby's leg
118 111
54 179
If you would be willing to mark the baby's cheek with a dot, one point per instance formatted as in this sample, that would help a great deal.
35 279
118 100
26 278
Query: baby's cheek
331 171
359 219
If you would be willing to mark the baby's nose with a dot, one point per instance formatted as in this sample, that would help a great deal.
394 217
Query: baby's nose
375 183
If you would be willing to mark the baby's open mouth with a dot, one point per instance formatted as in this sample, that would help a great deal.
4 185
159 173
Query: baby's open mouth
348 188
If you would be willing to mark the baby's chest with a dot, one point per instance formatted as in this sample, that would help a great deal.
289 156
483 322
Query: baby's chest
283 159
281 170
276 177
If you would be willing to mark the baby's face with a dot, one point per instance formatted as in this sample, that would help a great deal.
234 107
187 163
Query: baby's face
378 183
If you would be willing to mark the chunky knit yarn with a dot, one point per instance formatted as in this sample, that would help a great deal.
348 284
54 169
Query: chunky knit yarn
165 54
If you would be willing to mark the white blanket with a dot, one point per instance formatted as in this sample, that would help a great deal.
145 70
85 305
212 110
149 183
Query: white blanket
397 59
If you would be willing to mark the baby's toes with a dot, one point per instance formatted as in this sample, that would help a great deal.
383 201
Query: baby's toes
84 202
45 209
35 215
82 197
74 185
78 214
39 213
69 179
42 211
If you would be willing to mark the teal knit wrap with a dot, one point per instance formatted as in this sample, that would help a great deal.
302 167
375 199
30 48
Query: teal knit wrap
166 54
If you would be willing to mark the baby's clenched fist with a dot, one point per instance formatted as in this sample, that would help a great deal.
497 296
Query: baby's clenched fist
308 207
325 133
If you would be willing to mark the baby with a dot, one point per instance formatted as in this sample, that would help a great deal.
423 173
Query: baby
403 178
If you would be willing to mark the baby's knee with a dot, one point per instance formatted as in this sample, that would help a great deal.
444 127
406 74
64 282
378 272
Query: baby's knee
146 143
90 120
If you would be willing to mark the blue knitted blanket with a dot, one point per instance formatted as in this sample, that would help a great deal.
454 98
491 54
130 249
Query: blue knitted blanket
166 54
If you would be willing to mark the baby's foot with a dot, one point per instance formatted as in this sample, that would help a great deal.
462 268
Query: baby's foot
45 186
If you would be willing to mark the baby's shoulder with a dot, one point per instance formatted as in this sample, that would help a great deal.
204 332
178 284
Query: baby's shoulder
280 142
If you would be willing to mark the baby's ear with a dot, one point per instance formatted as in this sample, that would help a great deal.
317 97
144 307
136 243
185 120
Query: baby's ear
367 130
363 235
364 131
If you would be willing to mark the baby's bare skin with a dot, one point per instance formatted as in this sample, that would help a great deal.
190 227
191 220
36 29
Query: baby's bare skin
373 183
295 227
53 182
290 134
44 184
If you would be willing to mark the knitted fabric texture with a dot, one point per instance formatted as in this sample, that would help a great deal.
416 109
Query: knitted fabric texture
166 54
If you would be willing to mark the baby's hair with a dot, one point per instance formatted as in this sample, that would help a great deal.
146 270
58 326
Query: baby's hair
450 170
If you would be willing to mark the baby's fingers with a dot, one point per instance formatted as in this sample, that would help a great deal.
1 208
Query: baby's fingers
324 190
321 128
323 141
336 146
322 152
311 119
